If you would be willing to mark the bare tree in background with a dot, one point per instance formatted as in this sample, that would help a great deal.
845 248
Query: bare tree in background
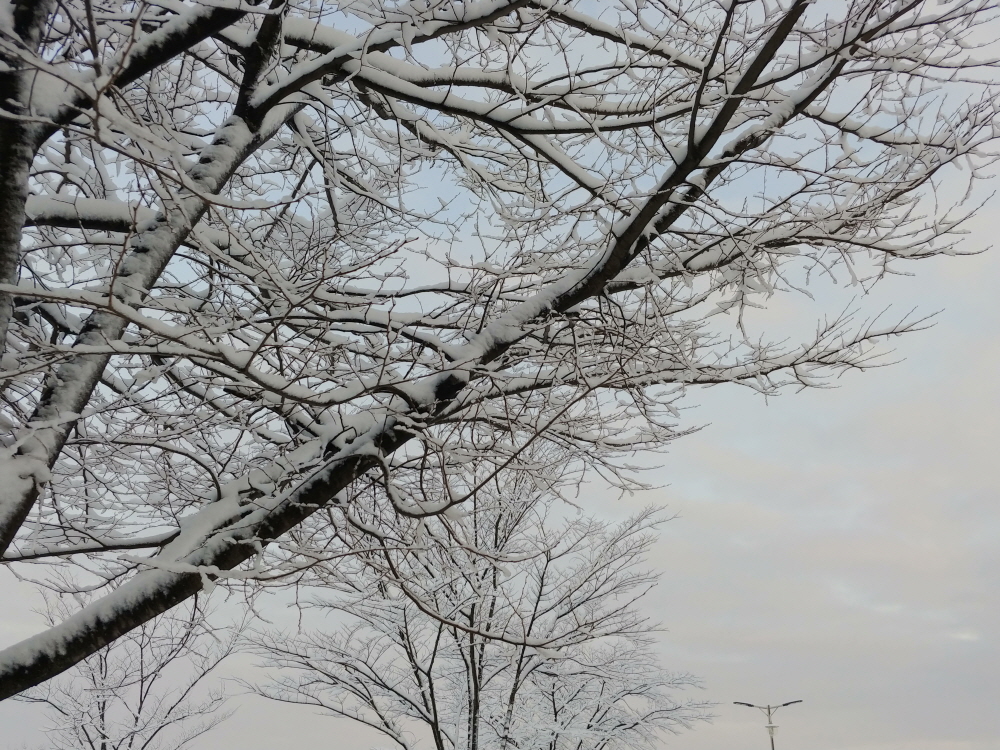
146 691
261 260
506 629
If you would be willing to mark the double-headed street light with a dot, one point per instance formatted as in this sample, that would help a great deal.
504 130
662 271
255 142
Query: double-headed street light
769 710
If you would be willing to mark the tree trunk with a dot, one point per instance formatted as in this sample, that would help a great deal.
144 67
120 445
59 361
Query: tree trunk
17 140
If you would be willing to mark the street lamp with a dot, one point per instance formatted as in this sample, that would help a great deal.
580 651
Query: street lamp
769 710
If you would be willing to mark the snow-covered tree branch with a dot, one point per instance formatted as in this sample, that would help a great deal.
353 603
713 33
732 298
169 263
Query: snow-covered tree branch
145 691
531 638
258 260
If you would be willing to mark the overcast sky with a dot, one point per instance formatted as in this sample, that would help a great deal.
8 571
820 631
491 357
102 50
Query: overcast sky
839 547
842 547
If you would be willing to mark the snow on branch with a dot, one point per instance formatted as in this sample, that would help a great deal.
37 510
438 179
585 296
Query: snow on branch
275 269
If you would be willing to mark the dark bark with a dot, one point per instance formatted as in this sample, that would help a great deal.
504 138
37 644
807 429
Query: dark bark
47 655
147 258
21 135
69 388
18 133
161 46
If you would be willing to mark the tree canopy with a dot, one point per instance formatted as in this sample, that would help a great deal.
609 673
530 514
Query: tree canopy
270 267
519 631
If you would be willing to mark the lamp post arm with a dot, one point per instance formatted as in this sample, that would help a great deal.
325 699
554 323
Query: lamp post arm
769 710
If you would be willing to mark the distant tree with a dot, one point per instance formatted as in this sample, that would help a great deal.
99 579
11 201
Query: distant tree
506 629
147 691
265 263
